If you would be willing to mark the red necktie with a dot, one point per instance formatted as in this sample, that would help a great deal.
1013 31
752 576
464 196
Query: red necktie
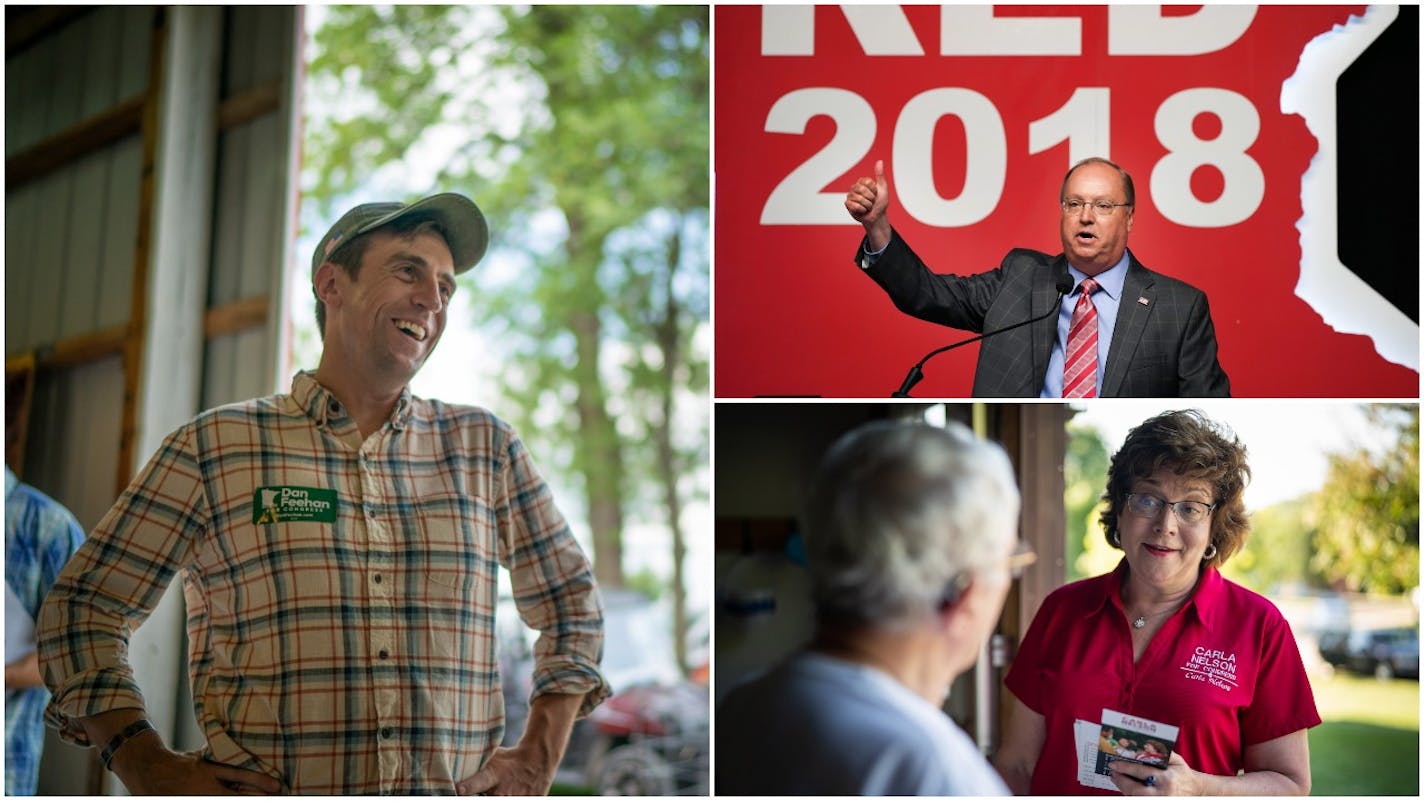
1080 365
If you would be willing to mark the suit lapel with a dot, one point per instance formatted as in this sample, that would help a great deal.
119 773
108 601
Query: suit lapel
1132 315
1045 331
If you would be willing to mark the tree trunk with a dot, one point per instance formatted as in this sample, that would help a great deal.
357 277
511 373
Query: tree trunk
602 461
667 338
599 456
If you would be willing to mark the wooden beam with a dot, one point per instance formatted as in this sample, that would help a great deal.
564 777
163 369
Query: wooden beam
79 350
138 299
236 316
27 27
20 362
119 122
82 138
1034 437
19 398
1038 460
249 105
82 349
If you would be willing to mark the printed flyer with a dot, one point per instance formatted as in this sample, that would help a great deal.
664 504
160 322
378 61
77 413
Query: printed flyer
1125 737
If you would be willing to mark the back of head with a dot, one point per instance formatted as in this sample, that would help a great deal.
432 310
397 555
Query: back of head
899 510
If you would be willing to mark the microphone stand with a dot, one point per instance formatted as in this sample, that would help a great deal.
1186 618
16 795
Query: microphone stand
916 373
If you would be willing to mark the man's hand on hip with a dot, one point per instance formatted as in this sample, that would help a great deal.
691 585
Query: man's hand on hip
147 767
528 768
866 201
162 772
512 771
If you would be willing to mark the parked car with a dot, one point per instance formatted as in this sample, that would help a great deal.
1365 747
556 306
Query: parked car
651 736
1333 647
1384 653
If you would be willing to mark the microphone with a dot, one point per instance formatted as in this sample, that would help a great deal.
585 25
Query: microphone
1063 286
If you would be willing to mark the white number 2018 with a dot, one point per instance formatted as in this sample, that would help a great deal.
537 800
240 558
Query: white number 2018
1082 121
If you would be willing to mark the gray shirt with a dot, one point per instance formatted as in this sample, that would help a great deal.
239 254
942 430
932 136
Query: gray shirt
816 725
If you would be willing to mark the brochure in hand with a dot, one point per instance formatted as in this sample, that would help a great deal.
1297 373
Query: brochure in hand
1125 737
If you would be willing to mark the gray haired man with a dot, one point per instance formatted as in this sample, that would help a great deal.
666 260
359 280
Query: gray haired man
909 534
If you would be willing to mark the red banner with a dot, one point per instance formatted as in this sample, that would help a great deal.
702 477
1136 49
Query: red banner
977 113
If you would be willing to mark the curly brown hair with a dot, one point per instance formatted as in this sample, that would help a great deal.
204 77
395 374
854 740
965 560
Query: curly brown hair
1195 447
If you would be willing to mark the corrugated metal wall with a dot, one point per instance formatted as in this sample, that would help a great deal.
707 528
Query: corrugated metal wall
251 174
78 84
69 243
70 235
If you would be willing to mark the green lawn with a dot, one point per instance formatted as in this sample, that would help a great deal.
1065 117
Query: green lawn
1368 743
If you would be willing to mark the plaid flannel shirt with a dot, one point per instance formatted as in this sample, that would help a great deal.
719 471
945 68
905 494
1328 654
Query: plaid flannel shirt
40 536
341 593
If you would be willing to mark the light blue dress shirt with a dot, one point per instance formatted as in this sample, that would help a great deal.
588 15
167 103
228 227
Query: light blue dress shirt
1106 300
818 725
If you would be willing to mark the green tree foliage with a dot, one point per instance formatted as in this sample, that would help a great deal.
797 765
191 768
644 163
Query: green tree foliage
622 156
1366 516
583 134
381 72
1277 551
1085 474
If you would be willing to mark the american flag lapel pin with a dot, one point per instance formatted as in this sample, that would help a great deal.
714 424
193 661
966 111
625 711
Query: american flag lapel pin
1142 300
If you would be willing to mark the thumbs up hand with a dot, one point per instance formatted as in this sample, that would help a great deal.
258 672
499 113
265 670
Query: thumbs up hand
866 201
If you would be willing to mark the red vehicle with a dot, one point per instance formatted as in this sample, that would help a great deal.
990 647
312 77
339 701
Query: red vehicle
651 736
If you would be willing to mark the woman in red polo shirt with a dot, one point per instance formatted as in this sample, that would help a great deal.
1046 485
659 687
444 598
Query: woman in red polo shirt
1165 637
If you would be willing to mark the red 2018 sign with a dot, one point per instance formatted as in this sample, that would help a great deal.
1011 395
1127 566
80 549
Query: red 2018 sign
977 113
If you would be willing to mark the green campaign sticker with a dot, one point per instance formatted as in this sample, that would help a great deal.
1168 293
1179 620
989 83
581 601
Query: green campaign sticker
293 505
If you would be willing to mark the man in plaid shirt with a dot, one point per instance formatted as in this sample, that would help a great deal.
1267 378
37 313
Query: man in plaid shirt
339 547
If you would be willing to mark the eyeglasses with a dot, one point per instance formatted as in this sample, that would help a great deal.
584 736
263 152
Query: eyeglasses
1016 562
1189 512
1020 559
1101 208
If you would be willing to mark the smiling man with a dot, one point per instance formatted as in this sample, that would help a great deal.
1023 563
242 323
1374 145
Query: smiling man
339 547
1123 330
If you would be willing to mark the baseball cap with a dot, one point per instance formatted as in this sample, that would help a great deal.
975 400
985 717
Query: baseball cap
464 226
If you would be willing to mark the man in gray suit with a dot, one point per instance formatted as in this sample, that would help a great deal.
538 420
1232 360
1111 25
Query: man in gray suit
1142 334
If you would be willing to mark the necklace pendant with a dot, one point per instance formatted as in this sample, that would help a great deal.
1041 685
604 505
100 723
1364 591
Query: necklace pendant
1139 623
